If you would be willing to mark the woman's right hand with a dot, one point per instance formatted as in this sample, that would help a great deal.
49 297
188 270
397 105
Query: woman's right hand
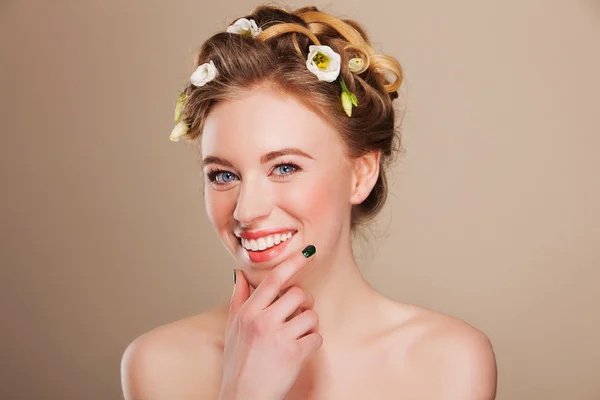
264 352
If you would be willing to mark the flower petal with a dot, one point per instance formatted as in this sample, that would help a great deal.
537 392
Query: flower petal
246 27
181 129
204 74
331 69
356 64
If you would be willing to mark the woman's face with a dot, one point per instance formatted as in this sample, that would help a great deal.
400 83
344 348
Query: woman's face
277 179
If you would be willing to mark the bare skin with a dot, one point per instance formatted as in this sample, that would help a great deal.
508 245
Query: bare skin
407 352
372 346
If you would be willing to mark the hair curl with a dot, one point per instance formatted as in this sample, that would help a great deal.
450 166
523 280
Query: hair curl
277 58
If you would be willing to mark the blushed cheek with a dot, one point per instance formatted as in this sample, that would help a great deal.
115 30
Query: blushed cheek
318 202
218 208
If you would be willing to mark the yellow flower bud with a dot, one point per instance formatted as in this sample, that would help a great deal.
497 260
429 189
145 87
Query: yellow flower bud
181 129
347 103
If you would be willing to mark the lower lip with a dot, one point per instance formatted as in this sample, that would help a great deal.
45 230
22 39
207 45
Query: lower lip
268 254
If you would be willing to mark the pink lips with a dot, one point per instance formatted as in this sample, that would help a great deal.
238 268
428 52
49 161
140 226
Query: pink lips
271 253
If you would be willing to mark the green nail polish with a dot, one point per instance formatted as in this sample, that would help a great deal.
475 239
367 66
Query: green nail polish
309 251
234 277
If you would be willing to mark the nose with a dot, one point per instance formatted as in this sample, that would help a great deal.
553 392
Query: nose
253 203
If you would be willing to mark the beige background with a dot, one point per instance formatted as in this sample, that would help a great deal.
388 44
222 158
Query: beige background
494 214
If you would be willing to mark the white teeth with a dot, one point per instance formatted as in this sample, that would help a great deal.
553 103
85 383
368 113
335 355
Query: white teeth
265 242
262 243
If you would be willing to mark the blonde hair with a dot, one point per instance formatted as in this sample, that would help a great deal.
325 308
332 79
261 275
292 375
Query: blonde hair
277 57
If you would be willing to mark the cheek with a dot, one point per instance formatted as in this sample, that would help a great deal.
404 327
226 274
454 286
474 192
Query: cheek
319 200
218 207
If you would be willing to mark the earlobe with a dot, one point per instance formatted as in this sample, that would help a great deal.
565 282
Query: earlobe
366 172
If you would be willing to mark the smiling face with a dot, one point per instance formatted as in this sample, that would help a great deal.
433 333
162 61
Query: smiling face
273 168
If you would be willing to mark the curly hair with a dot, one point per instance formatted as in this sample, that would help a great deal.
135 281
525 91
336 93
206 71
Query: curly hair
276 57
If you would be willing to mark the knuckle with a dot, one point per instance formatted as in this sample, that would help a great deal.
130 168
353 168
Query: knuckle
296 292
310 299
256 329
259 327
318 340
312 316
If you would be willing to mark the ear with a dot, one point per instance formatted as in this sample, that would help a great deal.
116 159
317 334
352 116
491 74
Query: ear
365 174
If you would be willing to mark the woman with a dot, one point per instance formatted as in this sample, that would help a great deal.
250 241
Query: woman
295 117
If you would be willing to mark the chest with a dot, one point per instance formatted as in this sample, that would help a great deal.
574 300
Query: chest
358 377
370 384
350 372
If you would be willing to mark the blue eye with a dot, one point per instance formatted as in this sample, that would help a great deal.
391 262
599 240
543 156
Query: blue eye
221 177
286 169
226 176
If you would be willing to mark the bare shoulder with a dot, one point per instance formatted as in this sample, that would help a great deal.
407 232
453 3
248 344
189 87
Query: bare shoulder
451 358
179 360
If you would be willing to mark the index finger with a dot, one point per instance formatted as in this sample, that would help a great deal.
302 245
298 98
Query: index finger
266 292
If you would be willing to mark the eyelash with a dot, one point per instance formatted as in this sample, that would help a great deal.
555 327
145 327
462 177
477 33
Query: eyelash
212 174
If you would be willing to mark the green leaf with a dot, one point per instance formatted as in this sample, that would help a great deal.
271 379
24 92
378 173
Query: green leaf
179 106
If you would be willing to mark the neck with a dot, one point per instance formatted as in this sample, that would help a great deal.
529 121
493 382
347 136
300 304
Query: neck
341 294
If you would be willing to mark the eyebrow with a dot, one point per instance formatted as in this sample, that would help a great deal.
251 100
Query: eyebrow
264 159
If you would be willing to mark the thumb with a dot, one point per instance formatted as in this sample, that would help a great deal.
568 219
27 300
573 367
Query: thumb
241 292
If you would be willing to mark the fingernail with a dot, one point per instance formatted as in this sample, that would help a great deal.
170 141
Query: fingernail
309 251
234 277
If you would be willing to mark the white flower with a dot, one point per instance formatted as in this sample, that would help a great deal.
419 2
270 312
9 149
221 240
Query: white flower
179 130
204 74
244 27
323 62
356 64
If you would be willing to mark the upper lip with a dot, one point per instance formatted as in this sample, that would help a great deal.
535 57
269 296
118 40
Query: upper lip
262 233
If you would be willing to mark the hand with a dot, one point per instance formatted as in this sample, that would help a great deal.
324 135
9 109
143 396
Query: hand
263 352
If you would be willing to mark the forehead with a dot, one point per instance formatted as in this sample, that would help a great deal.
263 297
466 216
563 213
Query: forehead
264 120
